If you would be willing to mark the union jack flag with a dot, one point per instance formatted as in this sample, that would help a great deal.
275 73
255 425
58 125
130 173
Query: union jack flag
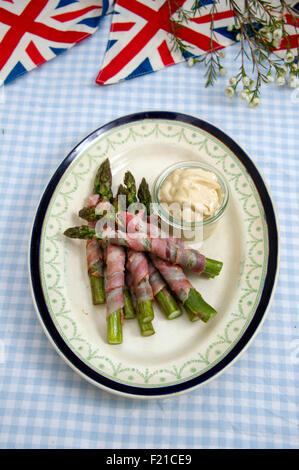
35 31
140 36
292 28
140 39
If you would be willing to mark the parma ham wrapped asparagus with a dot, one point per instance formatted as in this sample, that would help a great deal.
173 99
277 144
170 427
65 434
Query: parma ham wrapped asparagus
115 281
94 254
95 266
185 292
142 263
166 301
146 328
137 265
165 248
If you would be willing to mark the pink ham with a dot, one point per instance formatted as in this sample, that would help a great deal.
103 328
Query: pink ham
104 207
164 248
115 259
137 266
93 200
115 301
174 276
156 281
170 249
94 257
144 291
129 284
115 278
148 225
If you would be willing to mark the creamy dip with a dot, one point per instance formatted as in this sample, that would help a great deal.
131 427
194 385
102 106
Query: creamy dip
191 194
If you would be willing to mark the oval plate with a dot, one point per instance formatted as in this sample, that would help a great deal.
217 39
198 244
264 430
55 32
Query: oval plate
181 355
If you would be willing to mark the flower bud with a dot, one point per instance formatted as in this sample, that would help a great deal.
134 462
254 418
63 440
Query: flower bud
289 57
229 91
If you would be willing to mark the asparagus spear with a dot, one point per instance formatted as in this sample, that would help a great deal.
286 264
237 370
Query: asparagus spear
95 271
115 264
103 182
93 250
191 315
168 304
129 311
130 184
115 260
143 291
144 195
114 327
194 304
212 267
162 294
146 328
186 293
102 186
129 191
89 214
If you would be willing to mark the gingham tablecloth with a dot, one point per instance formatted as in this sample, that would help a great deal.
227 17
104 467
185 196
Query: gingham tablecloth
44 404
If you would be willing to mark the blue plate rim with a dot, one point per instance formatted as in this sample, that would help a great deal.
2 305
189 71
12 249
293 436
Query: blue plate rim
269 285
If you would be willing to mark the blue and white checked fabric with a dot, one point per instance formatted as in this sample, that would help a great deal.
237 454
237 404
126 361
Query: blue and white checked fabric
44 404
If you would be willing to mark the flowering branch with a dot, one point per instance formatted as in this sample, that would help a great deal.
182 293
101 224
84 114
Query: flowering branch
259 27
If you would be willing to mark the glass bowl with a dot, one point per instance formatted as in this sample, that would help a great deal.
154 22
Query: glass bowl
189 231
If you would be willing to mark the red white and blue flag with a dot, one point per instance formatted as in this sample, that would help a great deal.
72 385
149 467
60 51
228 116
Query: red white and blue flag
140 40
140 36
35 31
291 41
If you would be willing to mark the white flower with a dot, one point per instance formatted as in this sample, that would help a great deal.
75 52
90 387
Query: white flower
269 78
246 80
276 43
277 34
254 103
222 54
293 83
238 37
233 81
280 81
294 67
222 71
230 27
289 57
245 96
191 61
283 69
263 31
268 36
229 91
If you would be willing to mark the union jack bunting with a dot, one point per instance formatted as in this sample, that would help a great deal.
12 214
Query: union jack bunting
140 42
35 31
292 41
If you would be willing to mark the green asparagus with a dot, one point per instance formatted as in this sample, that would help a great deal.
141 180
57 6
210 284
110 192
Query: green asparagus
114 327
168 304
129 311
